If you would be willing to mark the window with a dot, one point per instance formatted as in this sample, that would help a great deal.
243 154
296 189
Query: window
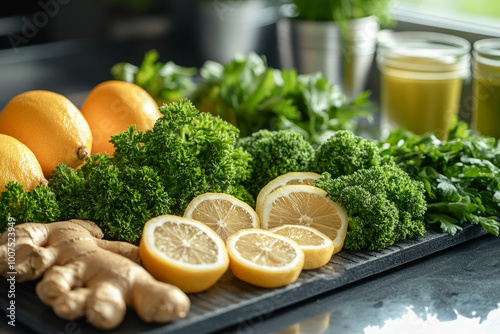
480 17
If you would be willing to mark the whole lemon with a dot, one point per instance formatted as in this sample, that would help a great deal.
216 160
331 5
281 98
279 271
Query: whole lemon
50 125
114 105
19 164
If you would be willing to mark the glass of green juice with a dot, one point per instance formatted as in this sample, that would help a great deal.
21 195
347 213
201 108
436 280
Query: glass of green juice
486 87
421 80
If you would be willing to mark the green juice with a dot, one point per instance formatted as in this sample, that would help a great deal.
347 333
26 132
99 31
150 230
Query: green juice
486 86
420 101
421 80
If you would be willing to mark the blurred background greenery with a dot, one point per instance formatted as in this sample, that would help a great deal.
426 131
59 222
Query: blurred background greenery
476 7
473 11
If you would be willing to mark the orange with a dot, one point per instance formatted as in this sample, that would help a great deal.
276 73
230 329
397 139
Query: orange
112 106
18 164
183 252
50 125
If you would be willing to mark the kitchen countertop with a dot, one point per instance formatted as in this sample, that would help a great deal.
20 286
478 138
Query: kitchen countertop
455 290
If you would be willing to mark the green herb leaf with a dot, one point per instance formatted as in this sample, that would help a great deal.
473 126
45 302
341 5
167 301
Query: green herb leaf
460 175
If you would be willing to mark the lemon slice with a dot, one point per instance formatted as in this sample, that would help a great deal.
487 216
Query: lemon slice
305 205
288 179
263 258
183 252
223 213
318 248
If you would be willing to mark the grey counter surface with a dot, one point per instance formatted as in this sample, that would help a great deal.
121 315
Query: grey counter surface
453 291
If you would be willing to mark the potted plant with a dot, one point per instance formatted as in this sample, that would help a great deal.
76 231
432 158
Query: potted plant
335 37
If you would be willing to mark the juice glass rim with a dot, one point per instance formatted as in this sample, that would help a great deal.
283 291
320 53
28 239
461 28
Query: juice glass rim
441 52
487 51
423 43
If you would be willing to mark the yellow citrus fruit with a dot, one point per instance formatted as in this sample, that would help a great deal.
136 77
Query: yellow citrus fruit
50 125
318 248
19 164
223 213
183 252
263 258
288 179
305 205
114 105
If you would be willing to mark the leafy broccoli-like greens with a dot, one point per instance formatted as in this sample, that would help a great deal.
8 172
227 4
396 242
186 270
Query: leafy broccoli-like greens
119 200
156 172
383 203
461 175
39 205
344 153
191 152
275 153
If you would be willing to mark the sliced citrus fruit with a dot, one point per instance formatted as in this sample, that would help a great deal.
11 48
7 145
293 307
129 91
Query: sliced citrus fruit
263 258
288 179
223 213
318 248
183 252
305 205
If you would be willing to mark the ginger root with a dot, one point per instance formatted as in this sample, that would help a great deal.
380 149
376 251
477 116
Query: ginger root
84 275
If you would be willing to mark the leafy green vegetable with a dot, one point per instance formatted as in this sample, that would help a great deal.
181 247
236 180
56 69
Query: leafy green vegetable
245 92
461 175
383 204
275 153
192 153
323 108
253 96
38 205
156 172
249 94
165 82
120 201
151 173
344 153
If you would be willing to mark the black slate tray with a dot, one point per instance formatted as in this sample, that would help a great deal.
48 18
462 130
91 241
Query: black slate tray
231 301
